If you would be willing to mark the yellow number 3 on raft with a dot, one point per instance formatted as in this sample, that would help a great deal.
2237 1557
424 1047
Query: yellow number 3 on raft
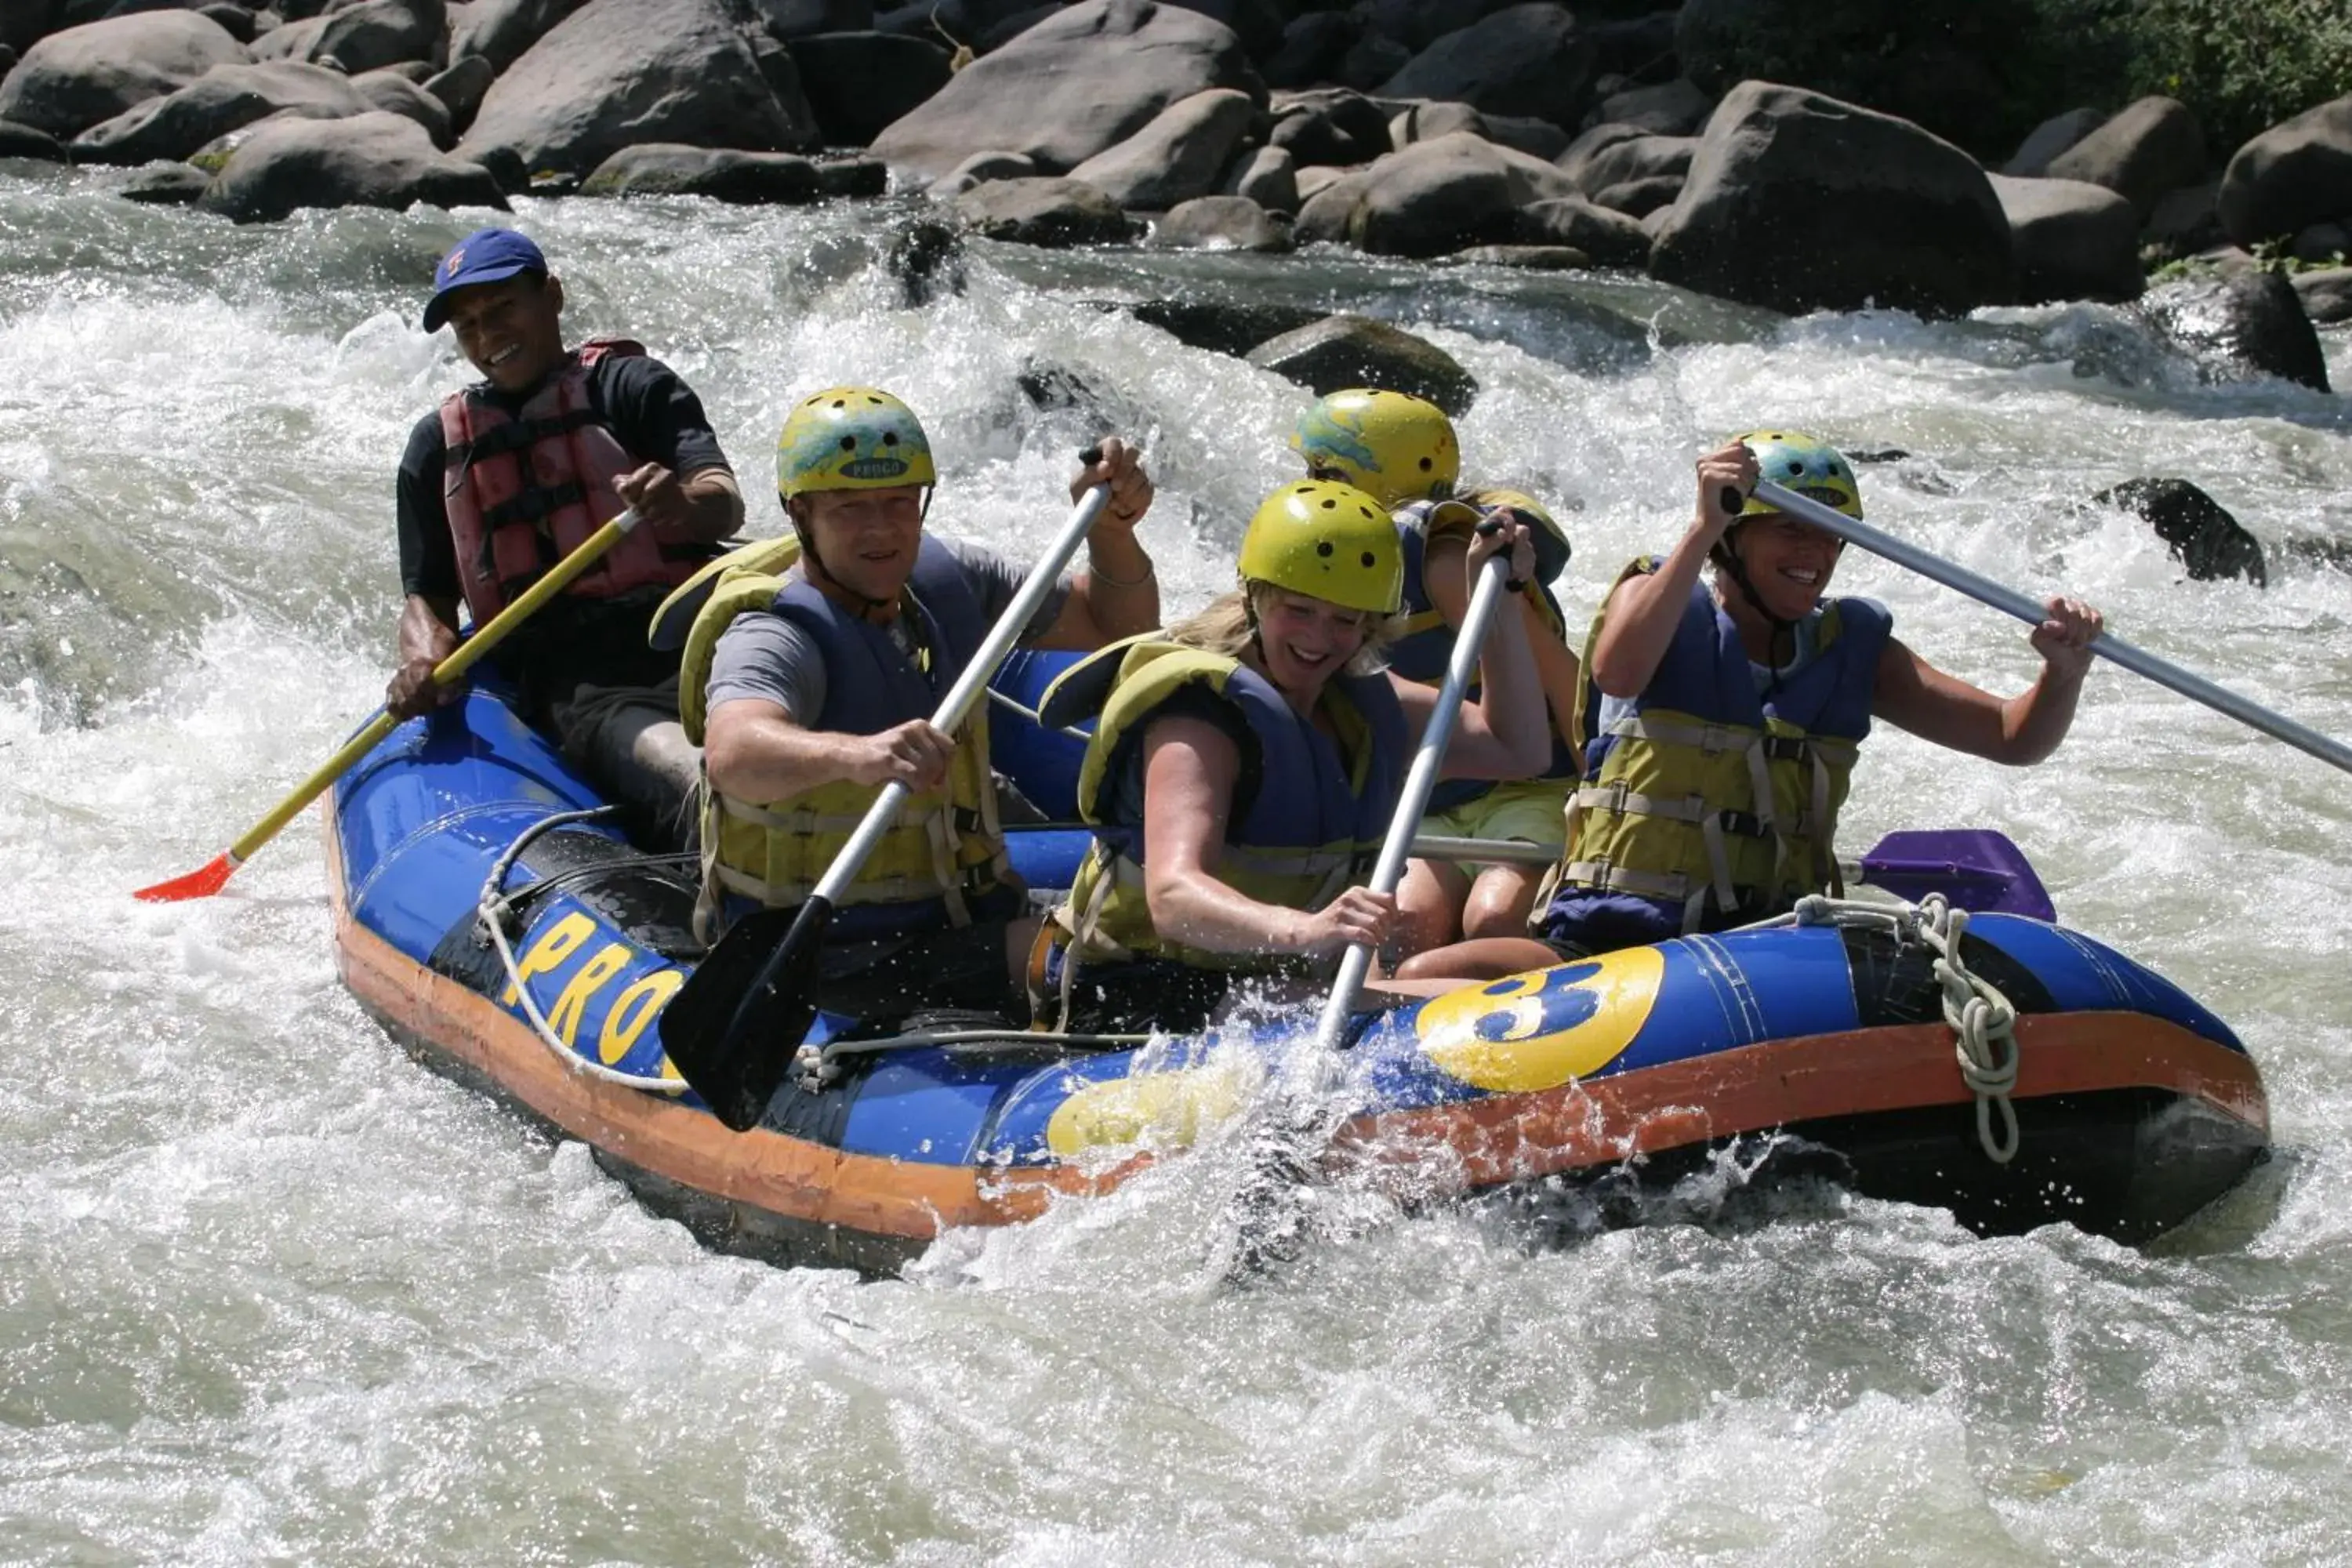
1537 1031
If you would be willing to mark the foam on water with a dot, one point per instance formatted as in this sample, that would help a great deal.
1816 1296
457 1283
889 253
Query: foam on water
268 1292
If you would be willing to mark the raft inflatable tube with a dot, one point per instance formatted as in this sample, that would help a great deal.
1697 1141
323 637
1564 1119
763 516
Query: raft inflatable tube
2135 1106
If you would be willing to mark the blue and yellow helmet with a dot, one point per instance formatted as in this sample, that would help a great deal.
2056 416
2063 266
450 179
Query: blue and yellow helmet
1392 446
1805 464
852 438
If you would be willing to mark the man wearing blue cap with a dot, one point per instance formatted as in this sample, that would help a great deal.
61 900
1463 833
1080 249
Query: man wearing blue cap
511 474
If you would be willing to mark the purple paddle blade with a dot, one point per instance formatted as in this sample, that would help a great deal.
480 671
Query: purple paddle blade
1976 867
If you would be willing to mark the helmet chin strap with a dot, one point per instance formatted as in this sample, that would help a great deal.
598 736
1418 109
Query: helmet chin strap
1737 570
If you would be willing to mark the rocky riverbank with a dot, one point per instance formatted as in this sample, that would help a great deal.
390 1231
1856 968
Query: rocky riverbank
1524 134
1612 136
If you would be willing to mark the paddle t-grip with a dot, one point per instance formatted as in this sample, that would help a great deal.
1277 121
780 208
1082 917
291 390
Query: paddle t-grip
1088 457
1732 499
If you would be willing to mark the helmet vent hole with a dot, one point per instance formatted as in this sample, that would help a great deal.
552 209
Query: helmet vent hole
1427 464
1323 548
1366 558
1330 505
890 438
849 443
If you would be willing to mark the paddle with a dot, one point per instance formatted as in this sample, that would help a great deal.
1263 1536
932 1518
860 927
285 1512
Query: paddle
733 1026
211 877
1263 1220
2108 645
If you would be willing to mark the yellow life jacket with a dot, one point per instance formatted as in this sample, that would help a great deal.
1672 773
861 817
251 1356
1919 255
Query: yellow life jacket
1308 831
1702 799
946 847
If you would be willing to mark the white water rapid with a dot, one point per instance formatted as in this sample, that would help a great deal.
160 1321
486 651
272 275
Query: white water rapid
271 1292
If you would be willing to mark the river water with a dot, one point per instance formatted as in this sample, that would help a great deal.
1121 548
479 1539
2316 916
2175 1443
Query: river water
268 1292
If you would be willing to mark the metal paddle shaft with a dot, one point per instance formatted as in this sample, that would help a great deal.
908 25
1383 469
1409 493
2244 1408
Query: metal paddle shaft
209 879
1264 1217
2108 645
1388 870
734 1049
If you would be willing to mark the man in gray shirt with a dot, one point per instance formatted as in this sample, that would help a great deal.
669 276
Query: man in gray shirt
816 702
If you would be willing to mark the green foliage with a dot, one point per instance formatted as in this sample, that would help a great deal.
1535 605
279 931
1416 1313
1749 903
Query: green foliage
2242 65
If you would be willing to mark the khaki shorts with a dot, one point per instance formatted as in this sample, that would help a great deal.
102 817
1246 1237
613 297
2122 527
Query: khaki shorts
1533 811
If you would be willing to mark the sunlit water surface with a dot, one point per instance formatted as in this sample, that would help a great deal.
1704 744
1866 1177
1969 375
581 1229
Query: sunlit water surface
270 1291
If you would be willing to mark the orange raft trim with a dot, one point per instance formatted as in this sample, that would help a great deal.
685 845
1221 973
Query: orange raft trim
1755 1088
761 1169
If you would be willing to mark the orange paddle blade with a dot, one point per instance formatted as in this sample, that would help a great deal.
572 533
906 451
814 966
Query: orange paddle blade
201 883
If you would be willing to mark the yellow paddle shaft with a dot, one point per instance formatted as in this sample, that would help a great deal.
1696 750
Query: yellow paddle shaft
447 673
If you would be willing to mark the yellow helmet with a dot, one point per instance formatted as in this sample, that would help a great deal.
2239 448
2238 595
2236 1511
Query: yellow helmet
852 438
1805 464
1327 541
1392 446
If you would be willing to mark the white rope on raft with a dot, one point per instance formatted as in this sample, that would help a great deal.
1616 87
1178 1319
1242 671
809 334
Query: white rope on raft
496 904
1982 1020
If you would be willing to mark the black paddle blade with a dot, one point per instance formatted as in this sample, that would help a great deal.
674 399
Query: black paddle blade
733 1026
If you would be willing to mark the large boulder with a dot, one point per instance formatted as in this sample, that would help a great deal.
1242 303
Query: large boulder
1178 156
2326 293
1076 84
2072 240
1608 238
792 20
502 31
1334 126
2183 223
461 87
1049 210
72 81
2047 139
1675 107
1314 48
24 142
2150 147
1938 63
619 72
375 159
2249 325
1802 202
1221 222
373 34
223 99
1636 158
2288 178
668 168
2202 533
1435 197
1267 176
1530 59
1341 352
858 84
392 91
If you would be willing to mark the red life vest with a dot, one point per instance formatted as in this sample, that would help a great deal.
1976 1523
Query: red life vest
512 523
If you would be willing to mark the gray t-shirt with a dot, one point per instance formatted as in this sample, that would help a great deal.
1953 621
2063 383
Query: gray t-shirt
766 658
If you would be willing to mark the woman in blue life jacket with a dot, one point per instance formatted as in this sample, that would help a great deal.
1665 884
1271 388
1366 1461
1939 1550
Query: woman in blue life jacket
1244 766
1721 719
1402 451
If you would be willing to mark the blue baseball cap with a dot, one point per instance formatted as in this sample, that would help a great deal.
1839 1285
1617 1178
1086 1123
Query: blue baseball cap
485 255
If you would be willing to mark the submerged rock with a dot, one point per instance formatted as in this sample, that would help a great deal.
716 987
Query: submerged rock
1049 211
1345 351
1222 326
668 168
2250 324
2202 536
1222 223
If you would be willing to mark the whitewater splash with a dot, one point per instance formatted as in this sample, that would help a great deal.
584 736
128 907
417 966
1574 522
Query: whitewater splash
268 1290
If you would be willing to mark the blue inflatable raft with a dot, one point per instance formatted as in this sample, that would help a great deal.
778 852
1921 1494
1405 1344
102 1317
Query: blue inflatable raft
516 941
